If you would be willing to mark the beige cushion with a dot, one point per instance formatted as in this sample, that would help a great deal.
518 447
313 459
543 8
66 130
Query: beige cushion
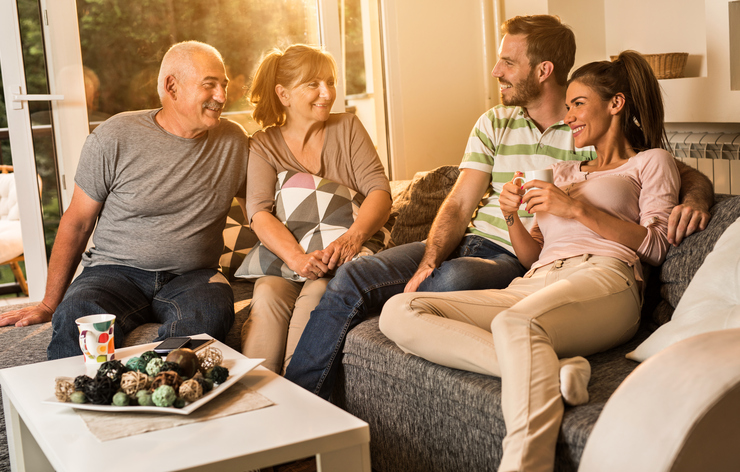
11 244
677 412
710 303
8 198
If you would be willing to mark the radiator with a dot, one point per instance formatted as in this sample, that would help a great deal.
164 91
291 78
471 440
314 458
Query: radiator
716 155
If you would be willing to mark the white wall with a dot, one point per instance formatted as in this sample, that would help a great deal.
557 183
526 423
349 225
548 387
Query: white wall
437 86
703 98
438 65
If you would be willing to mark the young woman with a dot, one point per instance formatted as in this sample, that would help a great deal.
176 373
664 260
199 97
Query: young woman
293 92
595 226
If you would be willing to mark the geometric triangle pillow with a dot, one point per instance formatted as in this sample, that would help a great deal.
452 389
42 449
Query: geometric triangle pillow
316 211
238 240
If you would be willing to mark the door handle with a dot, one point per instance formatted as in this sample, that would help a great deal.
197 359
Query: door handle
19 98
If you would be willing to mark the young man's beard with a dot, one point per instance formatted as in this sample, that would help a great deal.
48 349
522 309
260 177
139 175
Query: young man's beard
525 91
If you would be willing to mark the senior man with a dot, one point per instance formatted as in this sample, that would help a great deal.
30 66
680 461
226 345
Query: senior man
159 184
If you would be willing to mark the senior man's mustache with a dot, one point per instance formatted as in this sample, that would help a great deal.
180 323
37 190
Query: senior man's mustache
213 105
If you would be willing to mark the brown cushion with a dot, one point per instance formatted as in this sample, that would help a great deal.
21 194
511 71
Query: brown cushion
417 205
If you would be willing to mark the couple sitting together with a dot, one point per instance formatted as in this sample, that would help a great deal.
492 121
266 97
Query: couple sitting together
543 274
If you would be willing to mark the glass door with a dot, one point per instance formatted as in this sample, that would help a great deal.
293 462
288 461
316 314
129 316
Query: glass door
30 138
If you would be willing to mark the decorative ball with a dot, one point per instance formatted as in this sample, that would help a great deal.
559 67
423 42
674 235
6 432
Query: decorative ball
186 359
113 370
210 357
136 363
101 390
144 398
171 366
81 382
154 366
132 382
78 397
190 390
218 374
179 402
149 355
164 395
206 384
64 388
167 378
120 399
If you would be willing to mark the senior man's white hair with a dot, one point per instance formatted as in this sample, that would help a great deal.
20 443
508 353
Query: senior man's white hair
177 61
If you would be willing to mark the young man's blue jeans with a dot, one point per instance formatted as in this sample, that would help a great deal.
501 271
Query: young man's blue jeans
199 301
362 287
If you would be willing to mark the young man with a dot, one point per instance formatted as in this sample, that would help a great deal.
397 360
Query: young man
524 133
159 184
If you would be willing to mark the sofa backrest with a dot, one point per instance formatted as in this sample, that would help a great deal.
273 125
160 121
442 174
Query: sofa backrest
682 262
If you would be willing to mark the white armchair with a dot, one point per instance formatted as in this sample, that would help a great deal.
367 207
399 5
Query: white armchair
11 244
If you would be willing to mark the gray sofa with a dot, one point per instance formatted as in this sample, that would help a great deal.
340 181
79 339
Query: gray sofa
425 417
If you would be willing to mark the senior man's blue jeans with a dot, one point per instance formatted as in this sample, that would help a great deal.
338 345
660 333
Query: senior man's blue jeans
361 287
199 301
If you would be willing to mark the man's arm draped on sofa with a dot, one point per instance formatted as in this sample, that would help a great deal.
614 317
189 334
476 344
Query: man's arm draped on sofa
695 200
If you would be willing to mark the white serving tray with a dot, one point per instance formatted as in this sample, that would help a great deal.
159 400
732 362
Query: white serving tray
238 368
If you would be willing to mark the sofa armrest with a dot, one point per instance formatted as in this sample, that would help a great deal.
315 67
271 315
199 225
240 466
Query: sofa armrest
677 411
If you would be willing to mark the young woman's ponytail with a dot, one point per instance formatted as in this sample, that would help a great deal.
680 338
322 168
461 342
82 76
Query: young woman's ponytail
642 118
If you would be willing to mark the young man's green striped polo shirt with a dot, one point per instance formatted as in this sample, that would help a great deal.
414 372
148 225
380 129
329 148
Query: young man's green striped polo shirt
506 140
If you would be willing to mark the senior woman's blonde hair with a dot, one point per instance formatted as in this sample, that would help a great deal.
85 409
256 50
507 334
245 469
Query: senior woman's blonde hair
292 66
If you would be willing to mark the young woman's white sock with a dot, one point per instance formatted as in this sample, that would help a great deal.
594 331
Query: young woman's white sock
575 373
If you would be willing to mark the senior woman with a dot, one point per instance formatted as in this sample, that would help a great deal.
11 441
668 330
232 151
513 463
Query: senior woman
293 92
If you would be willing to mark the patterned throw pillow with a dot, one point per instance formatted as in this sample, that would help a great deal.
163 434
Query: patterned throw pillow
238 241
317 211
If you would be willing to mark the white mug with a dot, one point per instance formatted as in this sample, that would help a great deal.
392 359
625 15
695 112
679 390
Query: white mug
544 175
96 338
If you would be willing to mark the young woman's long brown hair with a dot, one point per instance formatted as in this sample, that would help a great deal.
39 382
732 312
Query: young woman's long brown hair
631 75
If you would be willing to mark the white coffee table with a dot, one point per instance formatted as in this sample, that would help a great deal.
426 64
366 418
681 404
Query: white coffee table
45 437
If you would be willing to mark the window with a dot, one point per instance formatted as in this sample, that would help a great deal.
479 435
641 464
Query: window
122 45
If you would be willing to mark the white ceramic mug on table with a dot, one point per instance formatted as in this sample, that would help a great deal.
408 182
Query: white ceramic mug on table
96 338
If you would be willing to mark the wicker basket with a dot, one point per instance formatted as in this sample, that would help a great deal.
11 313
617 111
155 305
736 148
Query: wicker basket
666 66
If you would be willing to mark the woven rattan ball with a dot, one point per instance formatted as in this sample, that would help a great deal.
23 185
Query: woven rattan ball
167 378
210 357
190 390
64 388
132 382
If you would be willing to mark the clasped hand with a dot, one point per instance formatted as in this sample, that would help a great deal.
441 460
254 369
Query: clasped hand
538 196
319 263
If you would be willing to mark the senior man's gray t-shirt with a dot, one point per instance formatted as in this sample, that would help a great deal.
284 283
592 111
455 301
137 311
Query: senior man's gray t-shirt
165 198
